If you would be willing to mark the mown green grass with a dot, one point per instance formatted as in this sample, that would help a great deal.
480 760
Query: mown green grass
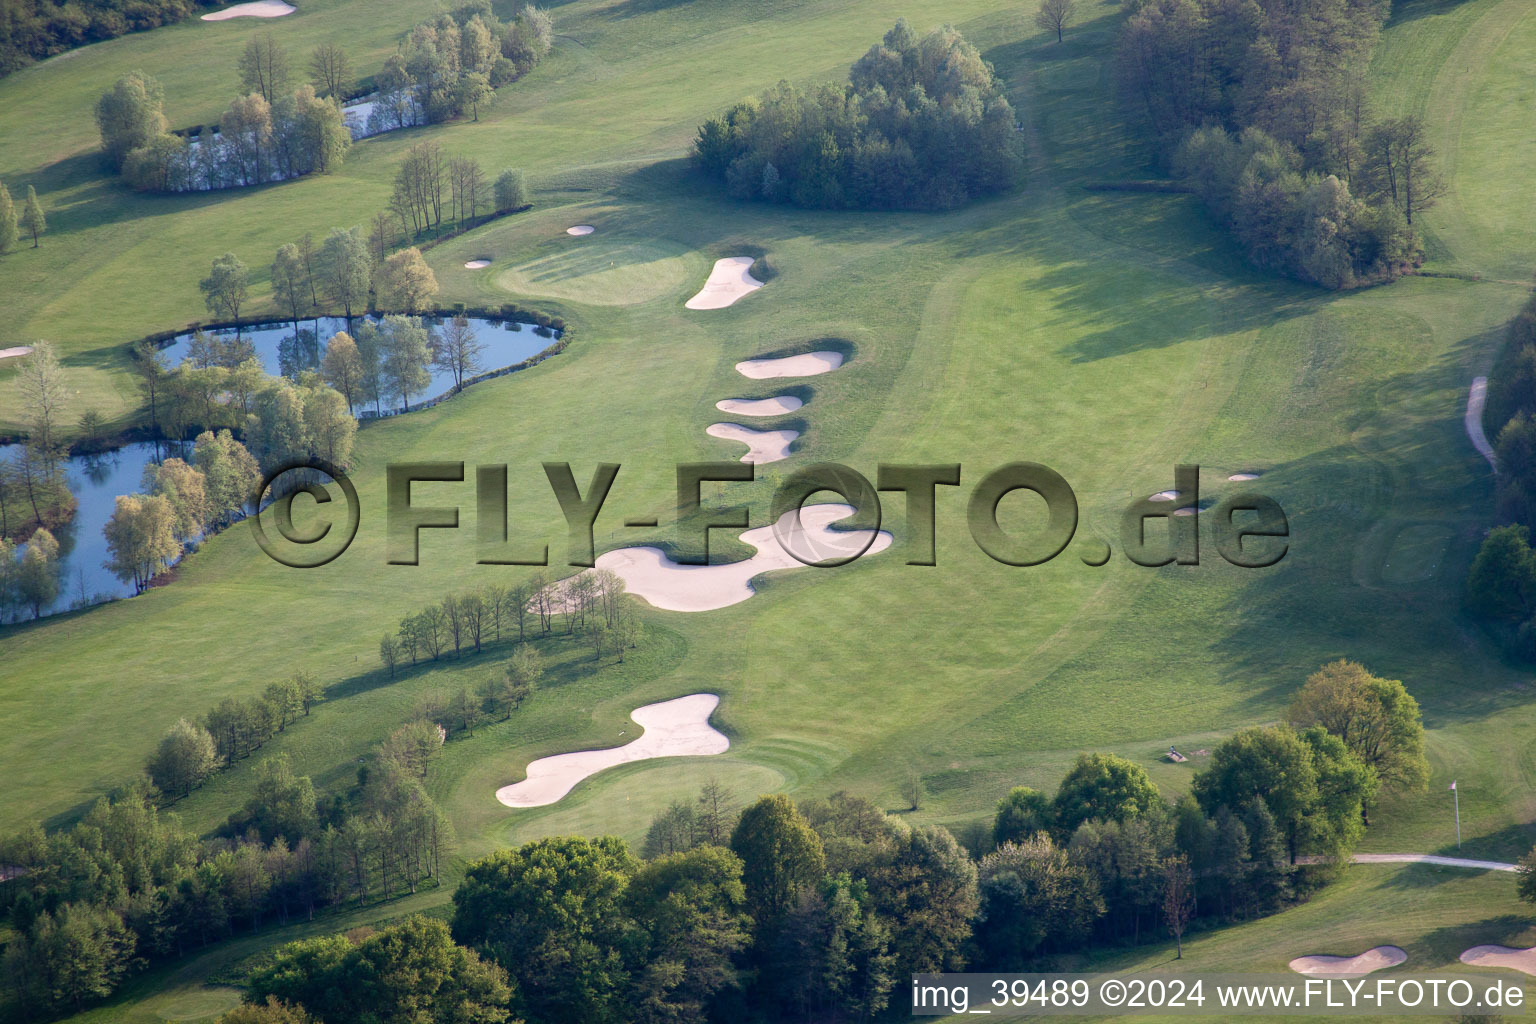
1108 336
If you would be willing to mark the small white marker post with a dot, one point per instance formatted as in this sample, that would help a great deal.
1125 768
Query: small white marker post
1456 799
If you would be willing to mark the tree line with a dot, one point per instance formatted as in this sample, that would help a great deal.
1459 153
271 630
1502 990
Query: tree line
431 187
821 909
259 138
921 124
1501 583
452 64
589 605
128 888
33 30
1264 112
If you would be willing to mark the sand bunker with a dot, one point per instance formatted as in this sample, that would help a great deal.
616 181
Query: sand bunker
477 264
729 280
648 572
1501 956
807 365
580 229
1371 960
762 445
673 728
12 353
1187 510
776 406
1243 476
1164 496
257 9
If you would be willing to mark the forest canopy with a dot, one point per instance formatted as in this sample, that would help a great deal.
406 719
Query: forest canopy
921 124
1260 105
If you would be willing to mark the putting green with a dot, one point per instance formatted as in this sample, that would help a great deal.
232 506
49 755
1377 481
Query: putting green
1416 553
604 270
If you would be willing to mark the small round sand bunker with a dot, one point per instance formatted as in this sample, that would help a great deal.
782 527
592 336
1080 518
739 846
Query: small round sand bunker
776 406
762 445
808 364
1364 963
580 229
1523 960
729 280
1164 496
1187 510
1238 477
15 352
673 728
256 9
477 264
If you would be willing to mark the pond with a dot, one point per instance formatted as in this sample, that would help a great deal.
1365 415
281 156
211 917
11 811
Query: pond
507 343
95 481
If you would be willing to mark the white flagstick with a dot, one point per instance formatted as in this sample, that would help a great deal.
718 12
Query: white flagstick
1456 797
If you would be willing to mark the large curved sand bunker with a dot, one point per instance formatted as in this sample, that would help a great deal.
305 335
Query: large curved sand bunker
648 572
256 9
673 728
776 406
1371 960
729 280
808 364
762 445
1502 956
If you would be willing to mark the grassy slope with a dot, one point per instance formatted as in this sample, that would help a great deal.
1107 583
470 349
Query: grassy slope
1108 336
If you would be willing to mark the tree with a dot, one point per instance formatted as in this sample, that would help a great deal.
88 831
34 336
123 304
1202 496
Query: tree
282 803
7 220
475 89
31 217
264 68
1033 898
511 190
1399 165
76 955
225 288
288 281
467 709
409 971
404 356
45 400
186 488
1502 581
185 757
1377 719
1106 787
523 671
1178 898
1310 785
1020 815
1054 15
342 368
409 281
1525 885
690 908
552 913
141 538
458 352
781 853
346 270
37 577
129 116
329 70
